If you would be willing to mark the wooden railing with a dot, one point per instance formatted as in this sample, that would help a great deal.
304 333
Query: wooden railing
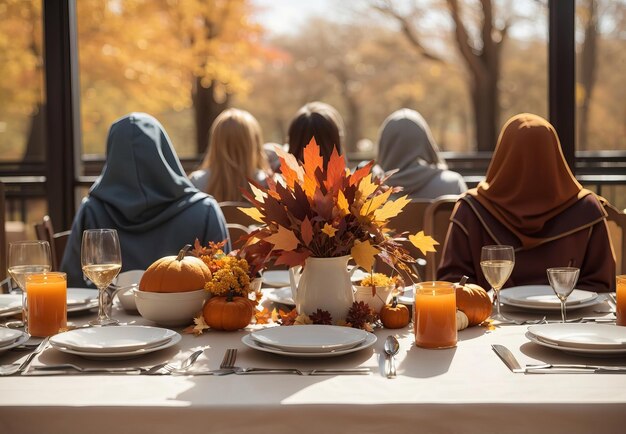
26 181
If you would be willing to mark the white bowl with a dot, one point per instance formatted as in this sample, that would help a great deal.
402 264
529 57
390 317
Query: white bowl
128 280
170 308
375 302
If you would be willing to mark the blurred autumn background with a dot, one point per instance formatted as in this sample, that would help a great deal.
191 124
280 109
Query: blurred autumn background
466 65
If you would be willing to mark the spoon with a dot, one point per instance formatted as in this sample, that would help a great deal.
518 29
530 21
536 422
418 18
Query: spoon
391 349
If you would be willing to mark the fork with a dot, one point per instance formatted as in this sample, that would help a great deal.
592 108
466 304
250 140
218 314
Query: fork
68 368
228 367
20 368
171 368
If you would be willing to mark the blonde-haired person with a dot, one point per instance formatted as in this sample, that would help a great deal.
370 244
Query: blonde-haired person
235 155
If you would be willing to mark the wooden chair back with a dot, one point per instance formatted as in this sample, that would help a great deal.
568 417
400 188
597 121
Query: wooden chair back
236 231
58 240
616 221
3 236
436 222
234 216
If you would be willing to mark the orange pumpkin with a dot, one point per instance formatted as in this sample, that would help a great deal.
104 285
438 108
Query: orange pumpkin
228 313
175 274
394 315
474 302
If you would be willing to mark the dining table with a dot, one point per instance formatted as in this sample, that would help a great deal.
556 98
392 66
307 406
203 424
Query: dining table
466 389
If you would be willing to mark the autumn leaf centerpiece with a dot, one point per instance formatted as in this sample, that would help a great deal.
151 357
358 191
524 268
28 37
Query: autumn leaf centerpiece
326 211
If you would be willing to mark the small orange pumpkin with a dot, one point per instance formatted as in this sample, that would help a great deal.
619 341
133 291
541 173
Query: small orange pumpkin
175 274
474 301
228 313
394 315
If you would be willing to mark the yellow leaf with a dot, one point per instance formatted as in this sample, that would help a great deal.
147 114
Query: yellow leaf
366 186
423 242
391 209
342 204
374 203
329 230
259 196
309 186
284 239
363 254
253 213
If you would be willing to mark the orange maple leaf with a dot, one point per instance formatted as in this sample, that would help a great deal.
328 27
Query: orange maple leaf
284 239
263 317
312 158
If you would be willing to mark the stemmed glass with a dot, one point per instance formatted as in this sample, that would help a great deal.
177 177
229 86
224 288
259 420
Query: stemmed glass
101 259
497 264
562 280
27 257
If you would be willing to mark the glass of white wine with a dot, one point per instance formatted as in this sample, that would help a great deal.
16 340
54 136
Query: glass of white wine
562 280
497 264
101 259
27 257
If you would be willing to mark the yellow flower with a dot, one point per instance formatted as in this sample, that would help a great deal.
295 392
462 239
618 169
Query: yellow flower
329 230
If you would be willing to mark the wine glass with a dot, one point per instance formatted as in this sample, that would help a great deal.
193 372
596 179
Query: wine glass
27 257
101 259
497 264
562 280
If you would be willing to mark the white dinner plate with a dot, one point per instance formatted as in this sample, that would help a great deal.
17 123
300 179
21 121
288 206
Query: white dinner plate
276 278
112 339
577 350
310 338
19 341
122 354
408 296
606 336
10 304
281 295
248 341
541 297
81 296
8 336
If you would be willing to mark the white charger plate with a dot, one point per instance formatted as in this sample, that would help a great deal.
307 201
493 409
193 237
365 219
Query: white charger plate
542 296
310 338
598 352
593 336
122 354
280 295
10 304
248 341
8 336
19 341
112 339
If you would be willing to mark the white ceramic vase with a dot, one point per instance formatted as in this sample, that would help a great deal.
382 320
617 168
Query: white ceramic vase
323 283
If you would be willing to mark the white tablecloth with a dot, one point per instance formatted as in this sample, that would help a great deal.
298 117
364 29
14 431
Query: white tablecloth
464 389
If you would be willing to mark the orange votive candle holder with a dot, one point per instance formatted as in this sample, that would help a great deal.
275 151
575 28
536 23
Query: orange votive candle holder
46 304
435 315
620 309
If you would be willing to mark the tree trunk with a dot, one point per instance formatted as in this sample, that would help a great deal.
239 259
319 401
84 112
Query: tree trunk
353 124
587 73
35 144
485 104
206 109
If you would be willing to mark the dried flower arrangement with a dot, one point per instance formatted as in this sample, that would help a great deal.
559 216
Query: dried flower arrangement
328 212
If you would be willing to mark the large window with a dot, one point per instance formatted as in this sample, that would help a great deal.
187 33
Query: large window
22 112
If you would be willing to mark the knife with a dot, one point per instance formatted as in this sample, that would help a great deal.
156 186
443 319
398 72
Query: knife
511 362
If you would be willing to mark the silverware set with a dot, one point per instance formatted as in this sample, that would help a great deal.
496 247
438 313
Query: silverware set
511 362
228 367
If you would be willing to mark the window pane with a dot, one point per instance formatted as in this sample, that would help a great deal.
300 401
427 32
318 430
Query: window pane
358 59
600 90
22 115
